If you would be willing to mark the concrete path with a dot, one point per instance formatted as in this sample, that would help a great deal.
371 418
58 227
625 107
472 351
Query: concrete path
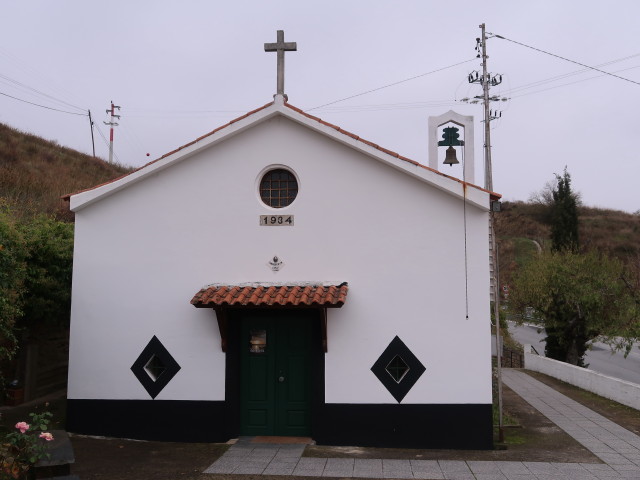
614 445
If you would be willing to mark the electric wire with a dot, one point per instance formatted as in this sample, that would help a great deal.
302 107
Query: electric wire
566 59
33 73
570 74
106 142
130 138
392 84
43 106
38 92
188 114
389 106
567 84
464 221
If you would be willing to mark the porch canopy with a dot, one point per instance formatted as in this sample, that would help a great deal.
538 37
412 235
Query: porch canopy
319 295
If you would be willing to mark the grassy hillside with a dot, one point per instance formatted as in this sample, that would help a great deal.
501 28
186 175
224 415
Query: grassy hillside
35 173
522 228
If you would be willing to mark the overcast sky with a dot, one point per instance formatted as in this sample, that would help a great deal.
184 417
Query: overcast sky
181 68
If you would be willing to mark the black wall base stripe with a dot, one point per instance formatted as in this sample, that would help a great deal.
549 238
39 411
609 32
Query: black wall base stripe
467 426
463 427
159 420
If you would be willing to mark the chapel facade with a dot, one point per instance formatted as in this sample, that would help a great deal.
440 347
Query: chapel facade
281 276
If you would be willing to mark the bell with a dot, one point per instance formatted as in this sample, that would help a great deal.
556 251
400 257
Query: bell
450 158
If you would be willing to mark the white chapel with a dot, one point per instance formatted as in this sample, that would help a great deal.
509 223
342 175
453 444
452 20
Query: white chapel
281 276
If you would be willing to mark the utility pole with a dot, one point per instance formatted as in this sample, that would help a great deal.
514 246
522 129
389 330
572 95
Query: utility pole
112 124
487 81
488 174
93 143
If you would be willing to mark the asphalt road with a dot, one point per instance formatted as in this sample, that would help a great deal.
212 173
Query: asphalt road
599 357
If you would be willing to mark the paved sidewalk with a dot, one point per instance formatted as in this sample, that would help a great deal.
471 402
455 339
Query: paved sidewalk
610 442
614 445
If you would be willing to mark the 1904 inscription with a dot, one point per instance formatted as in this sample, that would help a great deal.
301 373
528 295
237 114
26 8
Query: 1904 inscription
276 220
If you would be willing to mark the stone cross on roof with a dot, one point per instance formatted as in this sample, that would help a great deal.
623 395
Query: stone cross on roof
280 46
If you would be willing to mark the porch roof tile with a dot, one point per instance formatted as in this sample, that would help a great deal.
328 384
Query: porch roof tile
321 294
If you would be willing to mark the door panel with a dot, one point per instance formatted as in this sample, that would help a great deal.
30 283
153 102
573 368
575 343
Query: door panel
292 408
257 392
275 378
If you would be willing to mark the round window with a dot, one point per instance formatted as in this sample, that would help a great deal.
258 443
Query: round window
278 188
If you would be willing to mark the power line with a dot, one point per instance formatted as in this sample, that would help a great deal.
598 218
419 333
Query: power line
106 142
570 74
389 106
27 87
391 84
566 59
567 84
43 106
33 73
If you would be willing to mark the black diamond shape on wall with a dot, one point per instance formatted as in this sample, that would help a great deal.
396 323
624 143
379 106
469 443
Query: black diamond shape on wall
398 369
155 367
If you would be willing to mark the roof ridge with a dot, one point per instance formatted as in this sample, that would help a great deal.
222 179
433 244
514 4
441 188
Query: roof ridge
388 152
355 137
202 137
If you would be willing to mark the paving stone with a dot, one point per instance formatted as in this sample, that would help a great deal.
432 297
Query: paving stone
248 470
597 467
490 476
396 464
541 467
459 476
513 468
279 469
306 473
628 476
520 476
366 467
428 475
338 467
630 467
613 459
338 473
311 462
284 462
606 475
431 465
571 467
454 466
483 467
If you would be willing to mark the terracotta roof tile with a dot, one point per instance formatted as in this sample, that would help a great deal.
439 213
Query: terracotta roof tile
352 135
311 295
331 125
389 152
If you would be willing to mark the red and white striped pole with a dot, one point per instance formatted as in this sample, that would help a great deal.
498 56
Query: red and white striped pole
112 124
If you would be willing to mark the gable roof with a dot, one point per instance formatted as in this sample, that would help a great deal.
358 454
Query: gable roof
473 194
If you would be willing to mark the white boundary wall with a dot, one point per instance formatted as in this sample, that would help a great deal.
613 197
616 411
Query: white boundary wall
621 391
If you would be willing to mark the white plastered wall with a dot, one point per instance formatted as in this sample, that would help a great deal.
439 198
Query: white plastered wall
141 254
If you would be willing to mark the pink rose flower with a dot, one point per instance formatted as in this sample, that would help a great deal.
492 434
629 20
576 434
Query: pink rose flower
22 426
47 436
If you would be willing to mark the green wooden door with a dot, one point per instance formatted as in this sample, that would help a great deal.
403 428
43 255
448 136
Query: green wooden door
275 378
